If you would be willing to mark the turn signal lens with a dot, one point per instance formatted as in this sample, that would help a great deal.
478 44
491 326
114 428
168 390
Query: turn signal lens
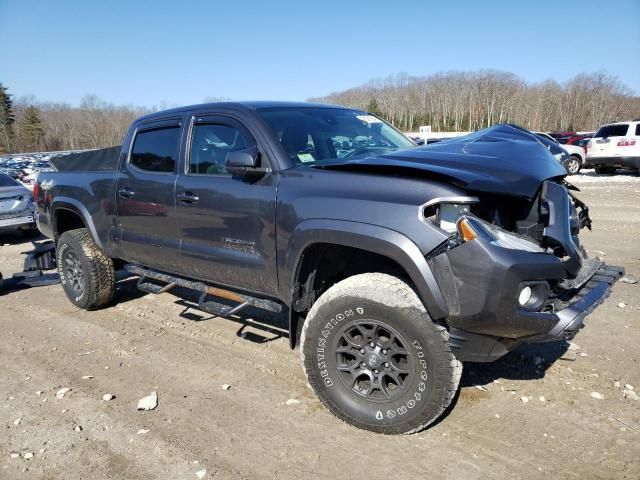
465 231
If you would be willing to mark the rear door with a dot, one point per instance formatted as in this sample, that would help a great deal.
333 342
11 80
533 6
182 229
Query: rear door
145 196
605 141
226 222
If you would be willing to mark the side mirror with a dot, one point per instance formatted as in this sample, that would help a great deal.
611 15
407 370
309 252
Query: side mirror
241 162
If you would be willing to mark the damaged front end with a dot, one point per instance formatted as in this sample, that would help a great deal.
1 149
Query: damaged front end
514 271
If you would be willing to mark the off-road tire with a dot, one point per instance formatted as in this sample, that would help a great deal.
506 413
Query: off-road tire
393 306
605 170
95 268
574 164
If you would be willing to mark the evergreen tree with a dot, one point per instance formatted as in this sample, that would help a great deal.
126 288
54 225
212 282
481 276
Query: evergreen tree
373 108
31 129
7 120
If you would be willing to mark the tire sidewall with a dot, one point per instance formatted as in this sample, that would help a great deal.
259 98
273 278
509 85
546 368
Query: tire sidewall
401 414
66 243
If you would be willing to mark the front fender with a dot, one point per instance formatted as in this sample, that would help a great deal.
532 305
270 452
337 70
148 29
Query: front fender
373 238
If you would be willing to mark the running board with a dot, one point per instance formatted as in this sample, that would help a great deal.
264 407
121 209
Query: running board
209 306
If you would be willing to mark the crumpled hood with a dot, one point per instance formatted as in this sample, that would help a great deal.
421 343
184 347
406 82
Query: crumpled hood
503 159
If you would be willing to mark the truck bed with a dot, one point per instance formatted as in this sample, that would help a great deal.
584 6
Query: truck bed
105 159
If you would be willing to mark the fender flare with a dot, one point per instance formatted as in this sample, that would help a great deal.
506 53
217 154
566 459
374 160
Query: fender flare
373 238
68 203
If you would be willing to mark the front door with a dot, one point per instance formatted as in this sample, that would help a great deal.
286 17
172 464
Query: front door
226 223
145 198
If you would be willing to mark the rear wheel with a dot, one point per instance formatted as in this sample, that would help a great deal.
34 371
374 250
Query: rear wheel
574 164
375 358
605 170
86 274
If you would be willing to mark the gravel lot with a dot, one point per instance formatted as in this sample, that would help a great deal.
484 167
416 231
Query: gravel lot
159 343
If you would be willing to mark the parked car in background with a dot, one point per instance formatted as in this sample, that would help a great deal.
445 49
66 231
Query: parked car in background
16 207
558 135
575 139
576 154
615 145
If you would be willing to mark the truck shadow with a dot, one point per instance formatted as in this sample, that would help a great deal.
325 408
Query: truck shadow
18 238
257 326
527 362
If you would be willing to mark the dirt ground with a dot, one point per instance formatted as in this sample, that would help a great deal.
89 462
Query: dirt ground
160 343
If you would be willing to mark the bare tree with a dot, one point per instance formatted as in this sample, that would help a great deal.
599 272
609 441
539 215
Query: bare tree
462 101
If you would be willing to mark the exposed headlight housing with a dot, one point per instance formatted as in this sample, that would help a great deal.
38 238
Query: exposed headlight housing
444 212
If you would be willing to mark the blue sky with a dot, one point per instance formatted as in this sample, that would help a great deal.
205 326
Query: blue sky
148 52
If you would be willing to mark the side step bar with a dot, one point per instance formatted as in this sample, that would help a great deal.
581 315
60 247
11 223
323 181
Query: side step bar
205 304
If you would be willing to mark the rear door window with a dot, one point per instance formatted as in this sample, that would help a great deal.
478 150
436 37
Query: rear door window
637 129
156 150
619 130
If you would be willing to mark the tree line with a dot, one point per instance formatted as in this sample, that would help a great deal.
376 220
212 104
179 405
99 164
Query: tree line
471 100
27 125
451 101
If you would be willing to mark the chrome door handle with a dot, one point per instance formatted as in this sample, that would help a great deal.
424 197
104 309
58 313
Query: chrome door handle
187 197
126 193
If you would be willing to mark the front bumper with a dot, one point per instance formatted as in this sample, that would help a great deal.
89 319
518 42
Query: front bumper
617 161
481 283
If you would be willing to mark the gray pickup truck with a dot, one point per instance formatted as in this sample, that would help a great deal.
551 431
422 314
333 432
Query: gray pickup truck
394 263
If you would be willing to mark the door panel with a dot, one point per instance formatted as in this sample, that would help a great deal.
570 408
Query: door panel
145 199
226 223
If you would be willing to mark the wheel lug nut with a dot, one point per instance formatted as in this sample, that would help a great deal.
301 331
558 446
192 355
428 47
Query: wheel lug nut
362 350
375 371
363 364
386 365
371 344
384 352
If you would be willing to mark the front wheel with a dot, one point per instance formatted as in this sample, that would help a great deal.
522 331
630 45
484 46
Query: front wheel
375 358
87 275
574 165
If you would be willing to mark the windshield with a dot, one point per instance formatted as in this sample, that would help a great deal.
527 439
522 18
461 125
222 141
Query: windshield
312 135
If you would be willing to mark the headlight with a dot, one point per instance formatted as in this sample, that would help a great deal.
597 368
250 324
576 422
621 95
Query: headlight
469 228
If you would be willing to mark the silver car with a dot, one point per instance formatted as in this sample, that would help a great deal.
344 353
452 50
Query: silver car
16 206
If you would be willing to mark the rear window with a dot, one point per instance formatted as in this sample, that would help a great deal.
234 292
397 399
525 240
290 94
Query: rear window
7 181
619 130
638 129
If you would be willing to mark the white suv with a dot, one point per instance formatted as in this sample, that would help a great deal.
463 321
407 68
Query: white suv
615 145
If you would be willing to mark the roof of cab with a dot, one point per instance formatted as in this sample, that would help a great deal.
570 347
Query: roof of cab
251 105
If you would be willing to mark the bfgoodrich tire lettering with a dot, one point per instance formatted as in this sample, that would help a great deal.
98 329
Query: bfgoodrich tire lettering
86 274
385 311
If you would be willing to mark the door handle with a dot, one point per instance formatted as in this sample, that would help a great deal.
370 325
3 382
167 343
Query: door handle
126 193
187 197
